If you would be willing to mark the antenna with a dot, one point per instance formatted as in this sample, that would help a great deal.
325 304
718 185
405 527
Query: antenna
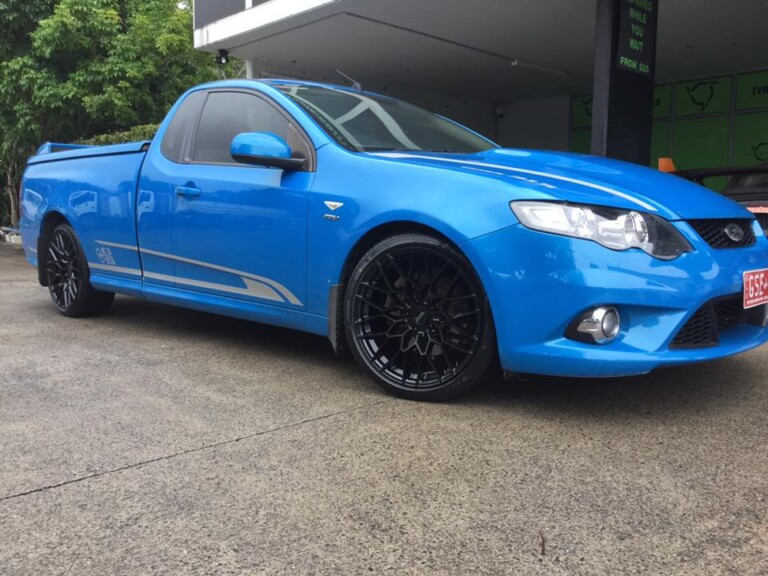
355 84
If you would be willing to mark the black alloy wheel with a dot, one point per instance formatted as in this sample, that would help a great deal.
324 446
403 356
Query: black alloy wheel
417 318
68 276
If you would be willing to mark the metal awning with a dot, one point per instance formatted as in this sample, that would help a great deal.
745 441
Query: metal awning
496 51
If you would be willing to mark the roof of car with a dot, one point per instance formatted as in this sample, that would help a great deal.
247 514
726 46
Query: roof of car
281 82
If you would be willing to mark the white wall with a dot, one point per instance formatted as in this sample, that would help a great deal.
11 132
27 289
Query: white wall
539 124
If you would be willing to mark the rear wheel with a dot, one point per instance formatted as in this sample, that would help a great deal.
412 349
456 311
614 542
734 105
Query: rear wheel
417 319
68 276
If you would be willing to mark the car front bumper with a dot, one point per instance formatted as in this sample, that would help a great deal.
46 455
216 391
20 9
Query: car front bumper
539 283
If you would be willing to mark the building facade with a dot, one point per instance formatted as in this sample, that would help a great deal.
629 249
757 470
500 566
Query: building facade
529 74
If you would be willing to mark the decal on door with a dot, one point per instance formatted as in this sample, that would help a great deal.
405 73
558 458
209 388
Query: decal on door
253 286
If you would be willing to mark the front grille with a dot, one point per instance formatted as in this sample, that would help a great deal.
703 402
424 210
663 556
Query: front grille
700 331
703 329
714 232
730 312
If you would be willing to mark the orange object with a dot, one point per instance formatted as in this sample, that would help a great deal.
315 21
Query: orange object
667 165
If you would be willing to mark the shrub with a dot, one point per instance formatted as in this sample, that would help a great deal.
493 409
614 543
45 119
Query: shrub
135 134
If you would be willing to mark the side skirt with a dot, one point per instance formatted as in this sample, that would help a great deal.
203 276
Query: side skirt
235 308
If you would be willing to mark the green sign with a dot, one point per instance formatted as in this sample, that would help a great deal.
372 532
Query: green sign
581 107
637 36
701 142
708 128
581 141
752 91
750 139
703 97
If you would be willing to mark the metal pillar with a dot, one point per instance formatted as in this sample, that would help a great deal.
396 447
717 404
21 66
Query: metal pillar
250 68
625 67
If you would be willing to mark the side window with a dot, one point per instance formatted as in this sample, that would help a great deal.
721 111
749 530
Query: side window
179 137
227 114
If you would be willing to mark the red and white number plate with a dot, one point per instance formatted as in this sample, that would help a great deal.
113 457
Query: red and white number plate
755 288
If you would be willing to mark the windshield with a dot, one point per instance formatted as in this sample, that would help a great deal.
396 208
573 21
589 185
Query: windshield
367 123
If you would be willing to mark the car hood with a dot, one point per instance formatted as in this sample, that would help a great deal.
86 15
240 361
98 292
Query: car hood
586 179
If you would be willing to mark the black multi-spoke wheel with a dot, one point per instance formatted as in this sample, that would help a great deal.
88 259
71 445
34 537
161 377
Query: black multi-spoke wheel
67 275
417 318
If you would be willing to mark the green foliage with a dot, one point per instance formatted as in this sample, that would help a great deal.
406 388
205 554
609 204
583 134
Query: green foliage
135 134
114 63
71 69
17 20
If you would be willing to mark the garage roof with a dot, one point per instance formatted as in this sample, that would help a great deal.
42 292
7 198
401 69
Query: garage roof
494 50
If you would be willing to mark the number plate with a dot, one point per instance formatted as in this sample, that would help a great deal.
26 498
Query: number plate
755 288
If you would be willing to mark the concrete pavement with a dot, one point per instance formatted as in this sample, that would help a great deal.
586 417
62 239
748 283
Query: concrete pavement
156 440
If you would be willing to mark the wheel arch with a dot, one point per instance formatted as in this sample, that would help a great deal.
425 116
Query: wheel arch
383 231
48 225
361 246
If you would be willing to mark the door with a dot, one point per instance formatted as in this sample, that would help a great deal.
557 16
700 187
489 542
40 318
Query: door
240 231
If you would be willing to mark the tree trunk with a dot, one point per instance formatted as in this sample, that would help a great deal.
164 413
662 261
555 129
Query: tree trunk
12 192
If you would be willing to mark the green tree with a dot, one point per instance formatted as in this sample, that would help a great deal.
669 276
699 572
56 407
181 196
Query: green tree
17 21
85 67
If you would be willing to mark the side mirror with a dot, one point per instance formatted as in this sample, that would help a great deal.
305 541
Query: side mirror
265 149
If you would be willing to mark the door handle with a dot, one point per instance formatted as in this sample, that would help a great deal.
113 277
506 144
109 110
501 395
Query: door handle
188 192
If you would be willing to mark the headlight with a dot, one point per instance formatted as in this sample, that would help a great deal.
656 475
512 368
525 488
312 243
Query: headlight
612 228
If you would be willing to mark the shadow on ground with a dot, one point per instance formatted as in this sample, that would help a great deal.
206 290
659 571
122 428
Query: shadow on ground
689 389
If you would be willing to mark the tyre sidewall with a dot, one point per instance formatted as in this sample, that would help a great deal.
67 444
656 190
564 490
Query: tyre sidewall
88 301
485 353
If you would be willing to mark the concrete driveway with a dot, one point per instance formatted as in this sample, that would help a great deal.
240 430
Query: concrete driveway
161 441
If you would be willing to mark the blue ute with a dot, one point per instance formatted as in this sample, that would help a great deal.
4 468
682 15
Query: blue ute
429 252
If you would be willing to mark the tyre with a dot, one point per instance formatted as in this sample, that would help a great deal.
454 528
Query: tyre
417 319
68 276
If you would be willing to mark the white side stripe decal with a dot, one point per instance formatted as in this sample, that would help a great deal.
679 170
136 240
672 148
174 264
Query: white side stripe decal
255 286
130 271
254 289
121 246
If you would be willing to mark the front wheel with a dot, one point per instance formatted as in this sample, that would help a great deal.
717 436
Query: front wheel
417 319
68 276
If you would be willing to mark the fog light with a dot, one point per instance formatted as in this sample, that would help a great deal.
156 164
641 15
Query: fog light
601 324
